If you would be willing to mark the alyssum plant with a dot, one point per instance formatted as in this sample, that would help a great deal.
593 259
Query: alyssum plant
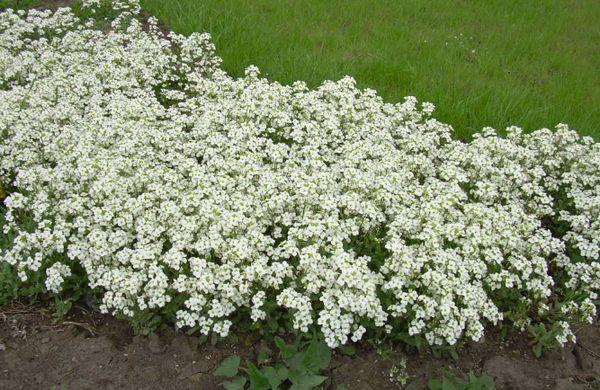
134 163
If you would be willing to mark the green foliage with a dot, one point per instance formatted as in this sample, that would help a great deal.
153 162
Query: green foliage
9 284
229 367
237 383
449 381
75 287
60 308
398 372
11 287
276 376
258 381
145 323
372 245
298 369
276 320
347 349
384 345
444 351
544 339
417 342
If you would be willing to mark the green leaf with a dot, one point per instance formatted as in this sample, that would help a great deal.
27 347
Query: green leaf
287 351
305 381
296 361
487 382
272 323
317 356
238 383
262 357
537 350
257 380
61 308
447 385
434 384
193 330
275 376
453 354
233 338
229 367
202 339
459 382
472 377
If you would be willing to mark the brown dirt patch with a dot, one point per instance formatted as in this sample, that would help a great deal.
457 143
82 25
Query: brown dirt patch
90 351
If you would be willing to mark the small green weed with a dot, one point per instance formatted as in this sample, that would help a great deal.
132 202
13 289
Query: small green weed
544 339
298 369
398 373
450 381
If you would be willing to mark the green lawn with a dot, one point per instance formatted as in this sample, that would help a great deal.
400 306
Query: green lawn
482 62
19 4
532 63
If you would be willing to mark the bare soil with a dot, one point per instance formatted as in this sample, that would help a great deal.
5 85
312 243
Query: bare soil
93 351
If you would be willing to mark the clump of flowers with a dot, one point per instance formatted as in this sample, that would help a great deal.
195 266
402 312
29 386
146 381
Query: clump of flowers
165 181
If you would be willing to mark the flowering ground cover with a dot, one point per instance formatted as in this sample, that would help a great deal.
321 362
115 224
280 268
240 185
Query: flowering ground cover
143 179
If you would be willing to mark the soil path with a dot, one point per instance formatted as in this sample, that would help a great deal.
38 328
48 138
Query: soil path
92 351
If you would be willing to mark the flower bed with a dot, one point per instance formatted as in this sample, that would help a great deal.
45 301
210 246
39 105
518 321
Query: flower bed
138 169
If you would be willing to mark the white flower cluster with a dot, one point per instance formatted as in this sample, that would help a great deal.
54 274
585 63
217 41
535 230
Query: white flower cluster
166 180
55 276
564 333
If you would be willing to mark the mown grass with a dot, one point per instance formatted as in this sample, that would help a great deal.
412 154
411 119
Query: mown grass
19 4
483 63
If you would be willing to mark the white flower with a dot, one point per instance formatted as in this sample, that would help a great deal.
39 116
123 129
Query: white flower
55 275
140 160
